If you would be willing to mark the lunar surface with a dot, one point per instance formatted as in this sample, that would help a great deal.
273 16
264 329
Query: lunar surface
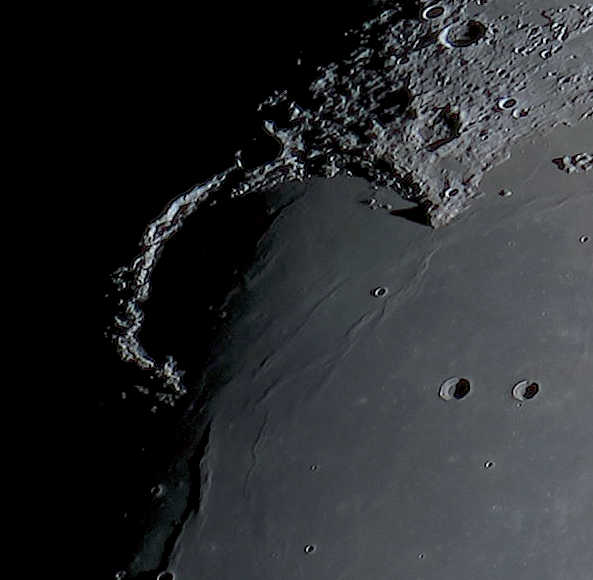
391 375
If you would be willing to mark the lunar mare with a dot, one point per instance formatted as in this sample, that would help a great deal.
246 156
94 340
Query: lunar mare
448 416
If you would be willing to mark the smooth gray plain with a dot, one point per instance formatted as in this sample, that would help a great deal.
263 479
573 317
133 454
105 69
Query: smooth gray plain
330 431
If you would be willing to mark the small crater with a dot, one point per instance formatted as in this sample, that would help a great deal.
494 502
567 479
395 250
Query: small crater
489 465
157 491
310 548
584 239
525 390
505 193
379 292
421 556
455 388
506 103
433 12
314 467
166 576
451 192
465 35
